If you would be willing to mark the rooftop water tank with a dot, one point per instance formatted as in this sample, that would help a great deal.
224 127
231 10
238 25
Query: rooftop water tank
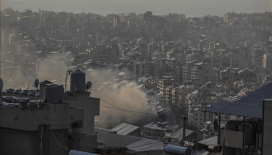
34 104
12 105
7 99
24 92
74 152
17 91
5 105
53 93
78 78
10 90
171 149
232 125
22 101
249 131
18 105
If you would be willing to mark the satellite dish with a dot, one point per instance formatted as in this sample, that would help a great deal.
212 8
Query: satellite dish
89 85
36 83
1 84
74 87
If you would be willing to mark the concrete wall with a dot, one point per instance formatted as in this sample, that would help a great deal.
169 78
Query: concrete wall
88 142
16 142
267 127
91 108
58 117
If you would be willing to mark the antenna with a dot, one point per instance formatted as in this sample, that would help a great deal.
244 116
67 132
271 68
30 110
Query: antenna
74 87
36 83
89 85
1 84
68 72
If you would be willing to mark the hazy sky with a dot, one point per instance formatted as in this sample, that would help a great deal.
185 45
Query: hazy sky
188 7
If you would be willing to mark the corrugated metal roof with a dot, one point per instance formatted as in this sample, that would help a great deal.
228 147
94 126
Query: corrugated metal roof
124 129
209 142
179 134
146 145
249 106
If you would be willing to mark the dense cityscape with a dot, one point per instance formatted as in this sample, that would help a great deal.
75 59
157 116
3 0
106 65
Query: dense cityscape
153 78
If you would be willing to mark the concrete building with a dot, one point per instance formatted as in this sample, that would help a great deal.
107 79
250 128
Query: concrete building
140 69
163 84
267 61
53 121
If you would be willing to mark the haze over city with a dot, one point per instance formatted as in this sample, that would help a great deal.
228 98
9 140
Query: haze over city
136 77
192 8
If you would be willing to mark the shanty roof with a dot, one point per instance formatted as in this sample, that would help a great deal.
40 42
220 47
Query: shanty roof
209 142
124 129
178 135
146 145
249 106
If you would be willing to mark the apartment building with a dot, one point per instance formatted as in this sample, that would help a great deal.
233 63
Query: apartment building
140 69
267 61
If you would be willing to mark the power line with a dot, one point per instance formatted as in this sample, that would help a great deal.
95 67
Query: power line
54 136
67 134
144 113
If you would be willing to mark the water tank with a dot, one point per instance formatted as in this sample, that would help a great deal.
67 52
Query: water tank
34 104
74 152
24 92
10 90
18 105
7 99
171 149
22 101
250 134
78 78
53 93
12 105
232 125
5 105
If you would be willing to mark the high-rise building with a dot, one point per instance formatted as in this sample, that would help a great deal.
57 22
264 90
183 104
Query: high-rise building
267 61
148 16
116 21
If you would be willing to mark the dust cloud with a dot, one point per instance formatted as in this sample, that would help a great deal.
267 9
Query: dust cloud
108 85
125 95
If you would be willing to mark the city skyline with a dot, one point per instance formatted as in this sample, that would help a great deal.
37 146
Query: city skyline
195 8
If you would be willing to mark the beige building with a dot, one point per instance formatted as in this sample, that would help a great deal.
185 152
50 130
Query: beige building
267 61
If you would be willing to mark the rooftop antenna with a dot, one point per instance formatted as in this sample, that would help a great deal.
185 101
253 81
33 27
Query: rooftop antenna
74 87
1 84
89 85
68 72
36 83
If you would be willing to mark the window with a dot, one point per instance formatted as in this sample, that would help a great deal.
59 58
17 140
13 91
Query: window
195 114
196 119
